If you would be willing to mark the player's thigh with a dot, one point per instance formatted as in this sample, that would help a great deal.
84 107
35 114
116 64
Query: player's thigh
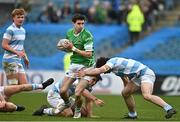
12 70
81 85
130 88
67 81
13 89
73 68
147 82
146 88
22 75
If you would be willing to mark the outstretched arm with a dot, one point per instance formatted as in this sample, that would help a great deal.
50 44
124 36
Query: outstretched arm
93 72
88 95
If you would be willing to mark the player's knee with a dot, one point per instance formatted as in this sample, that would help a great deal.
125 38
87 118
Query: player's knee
125 94
10 107
146 96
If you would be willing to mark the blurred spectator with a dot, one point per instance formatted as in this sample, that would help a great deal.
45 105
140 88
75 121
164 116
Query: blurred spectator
43 17
26 6
122 13
111 13
91 14
77 8
177 23
169 4
52 15
135 20
101 14
66 10
149 8
115 4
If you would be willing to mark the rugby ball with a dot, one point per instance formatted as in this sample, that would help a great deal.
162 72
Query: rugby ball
61 45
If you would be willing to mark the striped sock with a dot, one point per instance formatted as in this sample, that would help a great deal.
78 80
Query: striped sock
36 86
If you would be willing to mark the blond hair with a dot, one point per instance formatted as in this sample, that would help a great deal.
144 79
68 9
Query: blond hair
20 11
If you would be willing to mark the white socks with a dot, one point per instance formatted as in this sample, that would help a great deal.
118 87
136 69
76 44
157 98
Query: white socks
36 86
132 114
51 111
167 107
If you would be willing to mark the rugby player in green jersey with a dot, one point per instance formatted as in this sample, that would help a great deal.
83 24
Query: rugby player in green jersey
81 44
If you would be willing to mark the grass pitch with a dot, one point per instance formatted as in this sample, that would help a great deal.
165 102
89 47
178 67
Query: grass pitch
113 110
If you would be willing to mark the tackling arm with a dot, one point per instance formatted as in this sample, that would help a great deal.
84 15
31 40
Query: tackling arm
91 97
97 71
93 72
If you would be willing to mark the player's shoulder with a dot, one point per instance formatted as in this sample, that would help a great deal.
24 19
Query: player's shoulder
87 32
23 29
9 30
87 35
70 31
10 27
115 59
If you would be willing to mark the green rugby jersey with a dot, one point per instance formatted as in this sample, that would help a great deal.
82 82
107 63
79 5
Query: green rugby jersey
82 41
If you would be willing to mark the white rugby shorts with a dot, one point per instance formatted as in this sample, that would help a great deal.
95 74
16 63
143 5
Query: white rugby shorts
73 68
148 76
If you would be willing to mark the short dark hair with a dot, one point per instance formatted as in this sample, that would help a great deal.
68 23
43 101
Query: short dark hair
101 61
78 17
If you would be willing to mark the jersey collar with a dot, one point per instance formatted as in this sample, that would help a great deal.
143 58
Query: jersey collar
78 33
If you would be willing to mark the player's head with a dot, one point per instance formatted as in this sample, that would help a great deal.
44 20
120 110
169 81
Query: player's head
18 16
101 61
78 21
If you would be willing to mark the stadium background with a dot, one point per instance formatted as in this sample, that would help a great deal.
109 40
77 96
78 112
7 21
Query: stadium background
157 47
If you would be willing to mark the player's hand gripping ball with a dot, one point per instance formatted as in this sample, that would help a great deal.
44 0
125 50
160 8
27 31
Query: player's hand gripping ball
64 45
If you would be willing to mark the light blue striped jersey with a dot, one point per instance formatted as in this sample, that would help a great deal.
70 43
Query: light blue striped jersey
123 66
16 37
56 88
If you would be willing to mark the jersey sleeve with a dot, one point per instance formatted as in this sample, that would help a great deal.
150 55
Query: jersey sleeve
88 46
8 34
110 63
